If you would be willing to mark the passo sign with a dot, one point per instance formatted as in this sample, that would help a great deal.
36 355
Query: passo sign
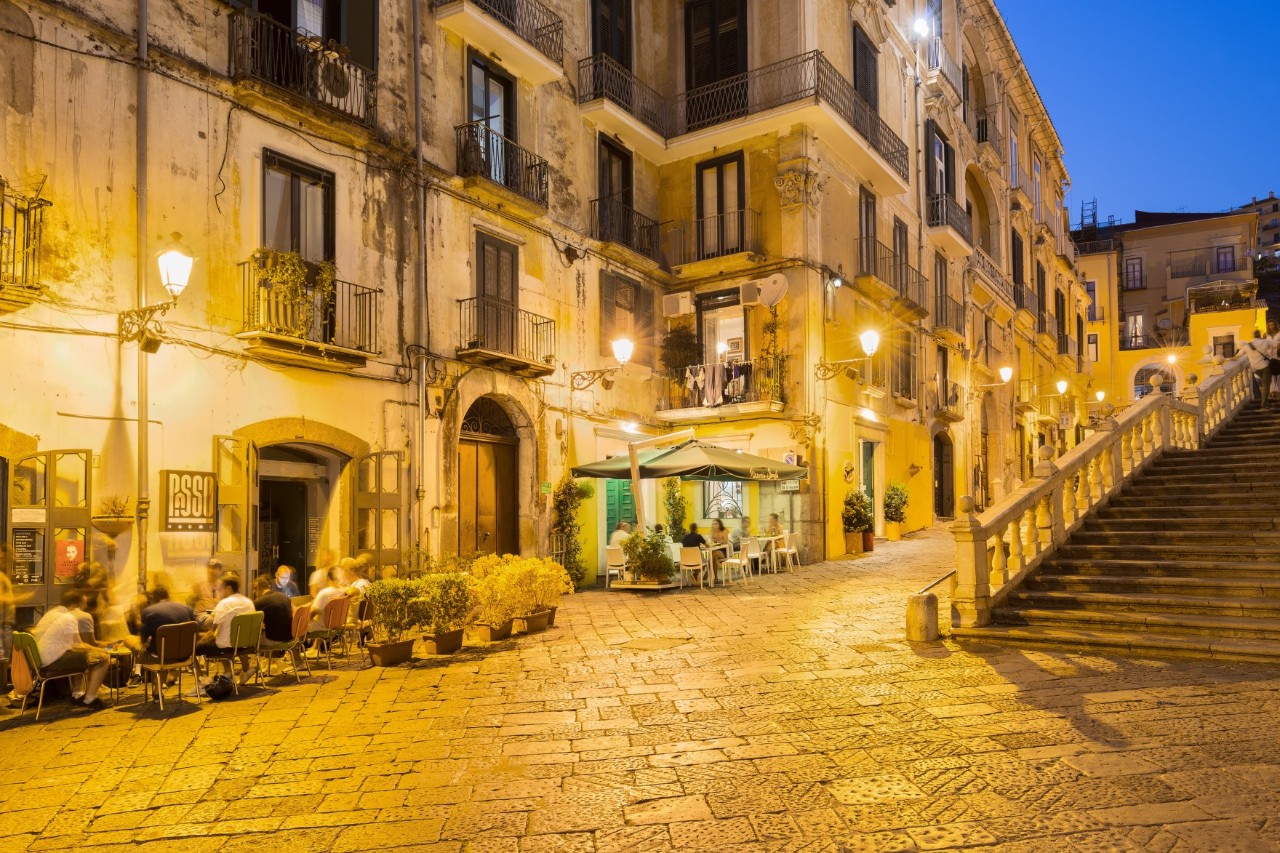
190 501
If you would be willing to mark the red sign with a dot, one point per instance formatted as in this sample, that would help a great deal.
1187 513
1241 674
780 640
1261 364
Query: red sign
68 554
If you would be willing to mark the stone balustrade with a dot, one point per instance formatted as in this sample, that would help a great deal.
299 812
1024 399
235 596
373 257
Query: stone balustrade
997 550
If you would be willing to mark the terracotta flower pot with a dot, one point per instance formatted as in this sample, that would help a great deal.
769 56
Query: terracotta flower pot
533 622
893 530
443 642
390 654
551 619
852 542
868 541
482 632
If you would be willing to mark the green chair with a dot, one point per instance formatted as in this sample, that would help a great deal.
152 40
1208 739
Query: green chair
29 672
272 649
246 637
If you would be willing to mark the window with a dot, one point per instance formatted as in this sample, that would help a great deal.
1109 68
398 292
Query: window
611 30
626 311
351 23
866 69
1018 256
867 232
721 219
1224 345
1142 381
904 365
940 163
940 280
722 499
1225 258
715 41
1135 330
1041 293
614 216
491 97
1133 278
297 208
722 327
1035 188
497 289
1091 287
1014 174
1093 348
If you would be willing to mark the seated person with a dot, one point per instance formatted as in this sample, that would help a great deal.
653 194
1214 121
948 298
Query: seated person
204 594
160 612
277 611
620 533
329 592
218 622
774 527
719 536
284 583
57 636
693 539
742 531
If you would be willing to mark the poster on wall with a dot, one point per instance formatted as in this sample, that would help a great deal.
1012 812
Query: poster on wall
189 499
28 555
68 554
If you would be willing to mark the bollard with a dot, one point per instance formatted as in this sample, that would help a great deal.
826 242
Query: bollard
922 618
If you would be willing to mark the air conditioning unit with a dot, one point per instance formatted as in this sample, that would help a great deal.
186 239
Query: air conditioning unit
763 291
677 304
749 293
333 82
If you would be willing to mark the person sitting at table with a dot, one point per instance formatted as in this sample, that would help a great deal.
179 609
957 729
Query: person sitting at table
218 622
160 612
774 528
277 611
57 636
284 583
620 533
328 592
693 539
719 536
742 531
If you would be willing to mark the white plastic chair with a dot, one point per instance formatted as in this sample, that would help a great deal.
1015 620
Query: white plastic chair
691 561
786 552
615 562
754 556
735 562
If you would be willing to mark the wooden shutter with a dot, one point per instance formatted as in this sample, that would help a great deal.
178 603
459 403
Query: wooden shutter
377 508
700 60
950 177
866 69
731 39
1015 250
930 162
608 306
612 29
643 308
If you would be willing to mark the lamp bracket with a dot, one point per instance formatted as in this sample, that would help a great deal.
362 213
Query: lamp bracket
825 370
584 379
137 323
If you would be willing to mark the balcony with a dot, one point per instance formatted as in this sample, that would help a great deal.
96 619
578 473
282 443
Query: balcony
1020 185
803 89
1226 296
487 25
949 225
1028 397
984 124
1047 328
501 336
713 237
1027 304
1133 280
948 319
884 276
21 236
1067 346
488 155
305 65
949 402
618 103
615 222
943 69
1209 263
717 391
1165 340
1094 247
307 322
989 277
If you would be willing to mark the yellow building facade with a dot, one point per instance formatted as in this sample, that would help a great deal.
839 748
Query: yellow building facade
417 231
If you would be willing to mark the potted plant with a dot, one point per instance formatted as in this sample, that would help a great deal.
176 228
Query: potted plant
552 581
113 516
649 557
858 521
895 510
677 507
499 598
447 600
395 613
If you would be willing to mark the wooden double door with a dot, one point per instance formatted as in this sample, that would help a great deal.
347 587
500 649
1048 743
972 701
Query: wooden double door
488 505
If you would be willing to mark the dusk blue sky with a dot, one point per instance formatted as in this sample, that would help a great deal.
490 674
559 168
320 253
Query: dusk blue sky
1160 106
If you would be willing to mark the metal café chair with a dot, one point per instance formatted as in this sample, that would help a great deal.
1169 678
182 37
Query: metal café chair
333 624
29 673
175 651
246 637
272 650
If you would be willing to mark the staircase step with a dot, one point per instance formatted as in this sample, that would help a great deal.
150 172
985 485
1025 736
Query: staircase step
1174 535
1174 501
1230 493
1133 522
1212 477
1120 642
1141 550
1156 623
1146 602
1256 587
1122 567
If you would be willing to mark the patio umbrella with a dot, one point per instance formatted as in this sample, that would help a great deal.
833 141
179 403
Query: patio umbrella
695 460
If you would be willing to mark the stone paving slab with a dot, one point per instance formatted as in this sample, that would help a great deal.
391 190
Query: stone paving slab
788 716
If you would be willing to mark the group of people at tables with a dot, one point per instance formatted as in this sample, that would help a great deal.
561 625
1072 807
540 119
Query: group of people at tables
723 541
67 635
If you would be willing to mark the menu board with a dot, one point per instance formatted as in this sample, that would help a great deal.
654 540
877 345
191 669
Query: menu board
28 555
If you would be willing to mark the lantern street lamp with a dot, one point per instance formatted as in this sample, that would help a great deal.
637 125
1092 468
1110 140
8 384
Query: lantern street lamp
623 349
824 370
138 324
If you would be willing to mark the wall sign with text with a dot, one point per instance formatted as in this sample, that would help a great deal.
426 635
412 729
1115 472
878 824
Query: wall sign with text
190 501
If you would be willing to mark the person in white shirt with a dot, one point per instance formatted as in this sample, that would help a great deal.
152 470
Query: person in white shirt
620 533
1259 353
57 636
217 637
330 591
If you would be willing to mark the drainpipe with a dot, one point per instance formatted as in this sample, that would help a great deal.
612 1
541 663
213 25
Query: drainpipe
424 313
144 462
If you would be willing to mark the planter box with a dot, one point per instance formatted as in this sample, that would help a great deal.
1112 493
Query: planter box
868 541
112 525
551 619
443 643
853 542
533 623
482 633
390 654
893 530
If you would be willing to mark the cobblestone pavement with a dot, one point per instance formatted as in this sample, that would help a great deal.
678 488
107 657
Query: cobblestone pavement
789 716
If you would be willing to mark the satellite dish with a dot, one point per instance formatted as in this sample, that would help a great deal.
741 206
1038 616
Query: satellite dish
1165 323
772 289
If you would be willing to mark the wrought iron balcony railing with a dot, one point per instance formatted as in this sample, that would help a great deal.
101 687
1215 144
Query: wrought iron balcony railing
1046 323
799 78
985 265
1019 180
950 402
948 313
713 237
1169 338
941 61
603 77
1067 345
345 315
529 19
302 63
946 211
1025 299
485 153
615 222
21 227
720 384
877 259
500 327
1229 296
1191 263
985 126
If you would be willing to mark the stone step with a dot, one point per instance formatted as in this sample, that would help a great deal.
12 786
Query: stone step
1177 624
1175 536
1258 476
1172 503
1246 607
1228 492
1123 642
1195 585
1118 565
1133 521
1241 461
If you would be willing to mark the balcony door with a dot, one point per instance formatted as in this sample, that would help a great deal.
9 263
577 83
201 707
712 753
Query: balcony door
867 232
496 287
720 206
611 30
715 51
492 116
866 70
615 193
722 334
297 216
900 255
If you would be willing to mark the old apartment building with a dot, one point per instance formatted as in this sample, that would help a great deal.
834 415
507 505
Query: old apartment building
418 231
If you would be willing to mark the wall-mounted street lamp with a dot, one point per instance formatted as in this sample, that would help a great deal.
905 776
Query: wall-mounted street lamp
1006 373
825 370
138 324
623 348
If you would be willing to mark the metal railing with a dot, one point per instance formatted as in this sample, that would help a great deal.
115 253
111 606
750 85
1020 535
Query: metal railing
1067 345
950 397
1091 247
1028 393
809 75
500 327
601 77
347 316
877 259
302 63
21 229
940 60
1230 296
720 384
985 126
985 265
1025 299
529 19
904 371
948 313
483 152
946 211
1020 180
1047 324
713 236
615 222
1132 280
1169 338
1205 262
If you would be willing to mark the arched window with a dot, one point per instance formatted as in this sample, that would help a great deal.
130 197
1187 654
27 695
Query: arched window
1142 381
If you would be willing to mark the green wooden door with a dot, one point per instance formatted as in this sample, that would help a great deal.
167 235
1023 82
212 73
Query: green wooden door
620 502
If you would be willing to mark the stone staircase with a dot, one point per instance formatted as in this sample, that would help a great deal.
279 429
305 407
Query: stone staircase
1185 560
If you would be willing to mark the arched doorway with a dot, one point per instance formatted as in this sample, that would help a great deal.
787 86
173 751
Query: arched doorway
1144 376
944 472
488 477
295 505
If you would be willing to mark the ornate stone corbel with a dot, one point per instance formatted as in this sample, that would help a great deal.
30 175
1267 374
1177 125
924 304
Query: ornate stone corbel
799 186
804 430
